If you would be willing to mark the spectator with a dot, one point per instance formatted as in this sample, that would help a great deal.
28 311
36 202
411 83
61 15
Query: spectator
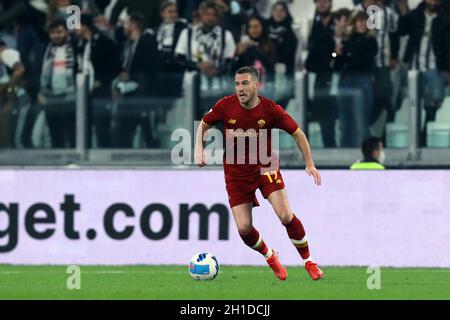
57 86
387 56
323 23
100 57
27 20
232 18
326 33
136 83
168 33
167 36
428 50
399 75
355 60
257 50
206 47
11 67
12 96
373 152
281 33
150 10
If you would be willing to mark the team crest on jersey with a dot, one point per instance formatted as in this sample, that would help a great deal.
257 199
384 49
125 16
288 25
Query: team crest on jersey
261 123
232 121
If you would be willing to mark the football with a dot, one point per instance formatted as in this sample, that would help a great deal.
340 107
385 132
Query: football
203 266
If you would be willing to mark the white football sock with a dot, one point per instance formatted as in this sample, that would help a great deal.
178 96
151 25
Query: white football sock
307 259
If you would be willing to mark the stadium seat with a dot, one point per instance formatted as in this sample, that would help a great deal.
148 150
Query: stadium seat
438 132
397 132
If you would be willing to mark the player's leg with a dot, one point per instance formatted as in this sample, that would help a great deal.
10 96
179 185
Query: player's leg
295 230
243 217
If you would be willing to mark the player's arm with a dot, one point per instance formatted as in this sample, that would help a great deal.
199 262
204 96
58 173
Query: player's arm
198 151
303 145
213 116
284 121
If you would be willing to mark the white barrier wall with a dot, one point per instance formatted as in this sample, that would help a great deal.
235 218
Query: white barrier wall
391 218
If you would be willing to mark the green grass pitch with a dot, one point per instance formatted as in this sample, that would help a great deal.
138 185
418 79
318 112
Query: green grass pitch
233 282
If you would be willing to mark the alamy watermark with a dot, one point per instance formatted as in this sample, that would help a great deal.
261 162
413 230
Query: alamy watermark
249 146
374 20
374 280
73 21
74 279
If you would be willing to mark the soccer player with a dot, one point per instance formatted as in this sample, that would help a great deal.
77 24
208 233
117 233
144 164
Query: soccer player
250 116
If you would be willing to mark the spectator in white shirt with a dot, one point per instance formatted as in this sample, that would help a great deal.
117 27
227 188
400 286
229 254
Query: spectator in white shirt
206 47
57 92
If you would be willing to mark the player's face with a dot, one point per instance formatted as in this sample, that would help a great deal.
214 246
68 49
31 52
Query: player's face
246 87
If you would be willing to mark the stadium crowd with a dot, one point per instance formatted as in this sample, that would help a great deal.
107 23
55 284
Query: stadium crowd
134 49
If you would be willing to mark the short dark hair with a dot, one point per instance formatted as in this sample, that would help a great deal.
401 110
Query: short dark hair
343 12
56 24
358 15
369 145
139 19
250 70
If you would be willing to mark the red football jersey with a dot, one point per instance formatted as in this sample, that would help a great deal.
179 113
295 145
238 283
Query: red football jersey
248 133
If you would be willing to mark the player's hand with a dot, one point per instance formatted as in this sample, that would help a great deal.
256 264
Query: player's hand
199 158
312 171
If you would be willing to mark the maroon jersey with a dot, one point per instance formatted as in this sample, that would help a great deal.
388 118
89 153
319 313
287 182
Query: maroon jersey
253 128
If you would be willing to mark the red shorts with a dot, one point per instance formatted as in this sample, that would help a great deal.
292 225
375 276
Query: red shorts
243 190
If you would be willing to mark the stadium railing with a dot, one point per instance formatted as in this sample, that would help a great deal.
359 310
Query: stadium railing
167 113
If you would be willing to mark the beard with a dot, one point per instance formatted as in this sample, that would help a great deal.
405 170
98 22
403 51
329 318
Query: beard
58 42
247 98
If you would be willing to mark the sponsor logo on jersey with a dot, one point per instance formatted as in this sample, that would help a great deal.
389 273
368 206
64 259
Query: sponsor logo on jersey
242 133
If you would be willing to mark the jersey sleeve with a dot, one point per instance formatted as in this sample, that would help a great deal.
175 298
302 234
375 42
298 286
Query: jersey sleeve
282 120
215 114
